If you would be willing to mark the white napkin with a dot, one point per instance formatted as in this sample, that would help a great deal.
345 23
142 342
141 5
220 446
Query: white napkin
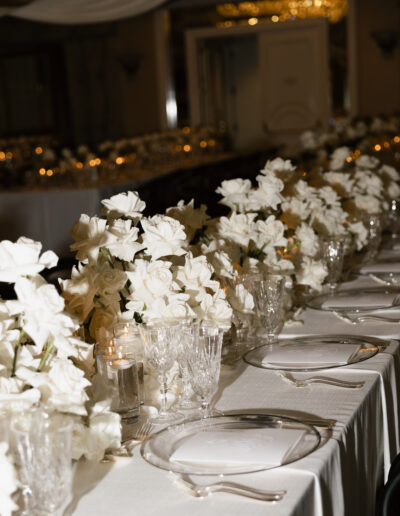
363 300
300 355
381 267
253 446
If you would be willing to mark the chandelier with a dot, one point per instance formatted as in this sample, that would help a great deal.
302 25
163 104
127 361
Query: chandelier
281 10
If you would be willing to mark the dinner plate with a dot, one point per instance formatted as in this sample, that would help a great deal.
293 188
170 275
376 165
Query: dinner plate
313 353
356 300
239 436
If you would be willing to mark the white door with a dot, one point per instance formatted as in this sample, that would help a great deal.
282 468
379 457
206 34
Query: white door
294 68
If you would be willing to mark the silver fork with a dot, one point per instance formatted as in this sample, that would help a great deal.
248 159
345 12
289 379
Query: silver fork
366 317
144 430
321 379
201 491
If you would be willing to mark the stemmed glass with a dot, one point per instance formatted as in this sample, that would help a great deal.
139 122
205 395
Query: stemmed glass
268 296
42 451
204 361
332 255
159 340
187 328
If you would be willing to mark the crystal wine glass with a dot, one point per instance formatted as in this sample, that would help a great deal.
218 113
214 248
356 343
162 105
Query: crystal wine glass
268 296
159 340
204 361
187 328
42 451
332 255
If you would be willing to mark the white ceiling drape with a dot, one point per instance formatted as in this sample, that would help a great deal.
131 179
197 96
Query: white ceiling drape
80 11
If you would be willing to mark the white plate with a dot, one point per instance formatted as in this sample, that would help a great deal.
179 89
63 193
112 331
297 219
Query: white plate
160 449
355 349
357 300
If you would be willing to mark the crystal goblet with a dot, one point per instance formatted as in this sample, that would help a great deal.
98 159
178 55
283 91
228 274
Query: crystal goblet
42 452
268 296
187 328
159 341
332 255
204 361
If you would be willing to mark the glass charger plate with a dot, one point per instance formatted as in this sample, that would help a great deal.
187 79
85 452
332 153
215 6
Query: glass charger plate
366 347
159 448
321 301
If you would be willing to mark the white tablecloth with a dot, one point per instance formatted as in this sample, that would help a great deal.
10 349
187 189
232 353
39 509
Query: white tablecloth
339 478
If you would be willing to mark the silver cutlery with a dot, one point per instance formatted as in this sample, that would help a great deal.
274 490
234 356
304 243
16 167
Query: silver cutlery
202 490
366 317
321 379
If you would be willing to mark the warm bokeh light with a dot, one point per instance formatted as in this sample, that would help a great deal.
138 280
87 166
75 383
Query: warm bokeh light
187 148
42 171
252 21
39 150
2 156
49 172
120 160
79 164
377 147
203 144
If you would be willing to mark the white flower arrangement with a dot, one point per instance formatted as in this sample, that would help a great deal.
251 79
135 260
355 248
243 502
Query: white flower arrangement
42 361
136 268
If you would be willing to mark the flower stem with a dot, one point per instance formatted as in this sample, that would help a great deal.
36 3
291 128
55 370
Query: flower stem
49 349
107 257
16 348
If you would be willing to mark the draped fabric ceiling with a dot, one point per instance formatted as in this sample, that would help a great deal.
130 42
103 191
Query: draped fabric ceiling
77 11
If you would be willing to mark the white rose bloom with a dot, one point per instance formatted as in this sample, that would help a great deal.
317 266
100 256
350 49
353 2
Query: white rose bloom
238 227
303 191
19 401
278 165
368 183
214 307
270 232
329 196
150 280
22 259
128 205
163 236
297 207
125 245
268 193
41 311
196 273
9 340
104 432
9 481
79 291
190 217
62 385
309 243
329 221
338 158
234 192
367 162
222 264
360 232
367 203
311 272
174 306
90 234
241 299
393 190
339 178
390 172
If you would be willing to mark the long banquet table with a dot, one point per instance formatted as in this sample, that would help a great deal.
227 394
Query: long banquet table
339 478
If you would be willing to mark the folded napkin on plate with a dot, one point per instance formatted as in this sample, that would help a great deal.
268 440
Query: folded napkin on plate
300 355
257 446
374 268
363 300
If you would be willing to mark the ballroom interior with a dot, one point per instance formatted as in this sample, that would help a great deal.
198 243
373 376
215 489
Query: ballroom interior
97 85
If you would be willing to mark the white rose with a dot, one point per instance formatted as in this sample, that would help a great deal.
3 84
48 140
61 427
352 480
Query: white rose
311 272
270 232
234 193
367 203
150 280
192 219
278 165
309 243
22 259
339 178
360 232
390 172
338 158
268 193
297 207
125 244
163 236
90 234
195 273
368 162
127 205
393 190
237 227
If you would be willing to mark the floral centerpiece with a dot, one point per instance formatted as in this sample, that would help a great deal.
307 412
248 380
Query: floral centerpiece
42 361
136 268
